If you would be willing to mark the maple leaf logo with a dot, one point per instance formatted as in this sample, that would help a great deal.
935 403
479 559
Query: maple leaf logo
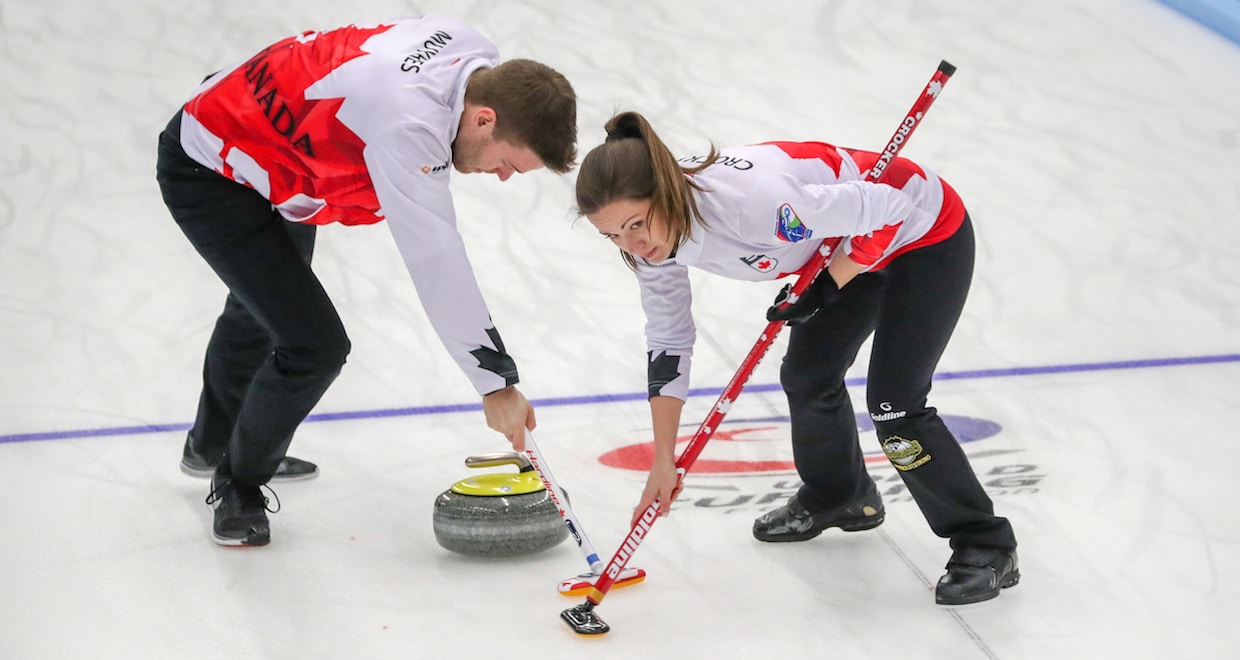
496 360
661 369
760 262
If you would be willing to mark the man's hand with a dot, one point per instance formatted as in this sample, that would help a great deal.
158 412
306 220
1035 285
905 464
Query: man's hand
508 412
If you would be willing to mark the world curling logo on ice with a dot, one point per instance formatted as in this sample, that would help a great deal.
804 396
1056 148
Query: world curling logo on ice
748 467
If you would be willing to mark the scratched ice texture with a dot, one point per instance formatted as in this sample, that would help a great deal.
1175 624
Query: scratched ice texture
1094 144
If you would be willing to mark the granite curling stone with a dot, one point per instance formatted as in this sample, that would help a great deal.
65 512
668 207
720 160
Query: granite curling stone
500 514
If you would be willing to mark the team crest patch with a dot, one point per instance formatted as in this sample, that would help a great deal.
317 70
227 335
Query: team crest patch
760 262
904 454
788 226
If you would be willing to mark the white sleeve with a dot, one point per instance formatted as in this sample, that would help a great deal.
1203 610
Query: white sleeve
783 209
670 333
418 208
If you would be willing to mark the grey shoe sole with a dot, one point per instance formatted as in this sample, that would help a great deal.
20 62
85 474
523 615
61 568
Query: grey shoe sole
291 469
254 540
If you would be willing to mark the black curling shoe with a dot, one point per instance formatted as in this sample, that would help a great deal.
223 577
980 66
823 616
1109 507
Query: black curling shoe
793 522
976 574
240 512
289 469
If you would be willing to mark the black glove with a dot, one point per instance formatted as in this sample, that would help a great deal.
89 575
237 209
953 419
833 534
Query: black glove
822 292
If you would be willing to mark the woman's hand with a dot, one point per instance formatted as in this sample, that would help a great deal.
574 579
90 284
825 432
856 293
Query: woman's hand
661 485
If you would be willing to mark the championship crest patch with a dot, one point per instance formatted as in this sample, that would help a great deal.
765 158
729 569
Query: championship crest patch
904 454
788 226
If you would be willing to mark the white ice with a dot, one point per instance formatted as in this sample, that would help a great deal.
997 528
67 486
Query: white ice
1094 142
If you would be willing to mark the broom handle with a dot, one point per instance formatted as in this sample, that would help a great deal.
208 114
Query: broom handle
560 499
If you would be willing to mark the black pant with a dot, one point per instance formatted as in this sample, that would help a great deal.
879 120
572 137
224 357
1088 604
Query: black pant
911 307
279 342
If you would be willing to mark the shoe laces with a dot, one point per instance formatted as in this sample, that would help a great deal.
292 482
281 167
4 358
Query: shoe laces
267 501
245 497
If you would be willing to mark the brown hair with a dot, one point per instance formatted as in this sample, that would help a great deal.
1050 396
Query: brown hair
534 106
633 163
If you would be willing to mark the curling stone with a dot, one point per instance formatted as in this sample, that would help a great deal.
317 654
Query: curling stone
502 514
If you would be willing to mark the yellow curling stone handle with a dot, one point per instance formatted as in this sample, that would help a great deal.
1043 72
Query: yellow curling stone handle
500 484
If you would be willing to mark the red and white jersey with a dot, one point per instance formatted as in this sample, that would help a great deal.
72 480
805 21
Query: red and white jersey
355 125
768 208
